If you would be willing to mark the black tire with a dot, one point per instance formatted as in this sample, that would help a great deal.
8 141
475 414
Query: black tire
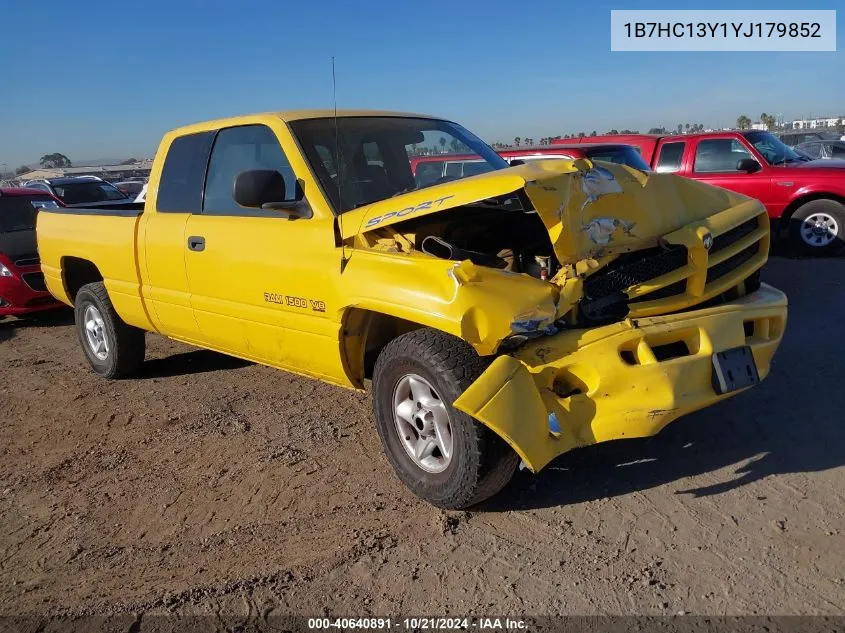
822 208
125 351
481 463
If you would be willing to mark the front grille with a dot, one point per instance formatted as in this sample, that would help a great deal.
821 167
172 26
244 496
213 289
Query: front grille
35 281
679 283
734 235
734 261
624 273
671 290
28 260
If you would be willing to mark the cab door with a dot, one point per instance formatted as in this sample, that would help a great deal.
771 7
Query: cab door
161 235
262 283
715 162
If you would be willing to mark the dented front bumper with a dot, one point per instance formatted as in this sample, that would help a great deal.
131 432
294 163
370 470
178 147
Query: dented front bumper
628 379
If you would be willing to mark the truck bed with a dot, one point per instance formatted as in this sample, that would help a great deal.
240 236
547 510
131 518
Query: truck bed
72 241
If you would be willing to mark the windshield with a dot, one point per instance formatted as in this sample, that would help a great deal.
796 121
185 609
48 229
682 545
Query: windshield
623 155
379 156
773 149
87 191
17 213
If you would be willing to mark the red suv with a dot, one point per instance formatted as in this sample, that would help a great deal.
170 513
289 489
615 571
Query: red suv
22 288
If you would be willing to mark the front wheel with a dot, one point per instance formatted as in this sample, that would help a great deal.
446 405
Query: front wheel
112 348
818 227
441 454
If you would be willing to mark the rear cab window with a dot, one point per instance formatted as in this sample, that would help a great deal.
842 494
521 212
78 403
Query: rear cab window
624 155
670 157
183 174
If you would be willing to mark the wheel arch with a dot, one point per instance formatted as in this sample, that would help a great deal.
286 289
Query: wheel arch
77 272
803 199
365 333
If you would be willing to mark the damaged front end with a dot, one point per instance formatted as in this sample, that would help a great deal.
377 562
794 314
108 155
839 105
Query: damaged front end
605 291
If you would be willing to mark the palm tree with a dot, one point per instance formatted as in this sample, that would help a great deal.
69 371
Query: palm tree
516 141
442 144
743 122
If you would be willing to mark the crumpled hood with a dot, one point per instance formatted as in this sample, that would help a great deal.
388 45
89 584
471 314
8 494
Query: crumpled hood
589 209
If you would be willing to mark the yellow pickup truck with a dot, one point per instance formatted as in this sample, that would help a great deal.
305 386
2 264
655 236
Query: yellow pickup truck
504 317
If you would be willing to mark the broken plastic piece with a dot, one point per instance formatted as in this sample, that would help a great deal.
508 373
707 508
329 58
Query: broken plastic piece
554 427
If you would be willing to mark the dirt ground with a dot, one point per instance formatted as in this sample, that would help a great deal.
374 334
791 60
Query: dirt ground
212 486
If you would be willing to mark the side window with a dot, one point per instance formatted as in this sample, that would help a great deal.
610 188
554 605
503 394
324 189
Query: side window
719 155
835 151
428 173
239 149
476 167
670 156
454 170
814 150
180 187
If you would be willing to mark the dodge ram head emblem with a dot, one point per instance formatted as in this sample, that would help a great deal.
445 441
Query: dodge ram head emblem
707 240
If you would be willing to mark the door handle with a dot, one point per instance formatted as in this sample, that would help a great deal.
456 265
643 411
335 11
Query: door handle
196 243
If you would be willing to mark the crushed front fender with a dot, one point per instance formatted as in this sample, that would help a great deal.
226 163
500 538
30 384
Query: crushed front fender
625 380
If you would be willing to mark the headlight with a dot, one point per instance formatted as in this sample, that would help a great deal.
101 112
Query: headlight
5 272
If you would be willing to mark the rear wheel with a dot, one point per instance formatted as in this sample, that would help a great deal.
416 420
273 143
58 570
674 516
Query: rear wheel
441 454
112 348
818 227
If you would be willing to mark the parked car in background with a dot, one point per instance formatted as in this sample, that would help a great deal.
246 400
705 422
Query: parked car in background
796 138
130 187
22 288
84 191
803 196
819 149
444 167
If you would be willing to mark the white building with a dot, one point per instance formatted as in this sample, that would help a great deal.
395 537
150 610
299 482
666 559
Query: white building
821 122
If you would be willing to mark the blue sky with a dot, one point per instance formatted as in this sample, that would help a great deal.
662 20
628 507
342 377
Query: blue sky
108 79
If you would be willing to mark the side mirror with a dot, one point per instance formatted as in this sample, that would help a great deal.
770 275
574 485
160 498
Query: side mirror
516 161
748 165
265 189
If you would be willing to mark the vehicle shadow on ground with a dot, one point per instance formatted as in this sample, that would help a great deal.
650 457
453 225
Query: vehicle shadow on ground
791 423
187 363
48 318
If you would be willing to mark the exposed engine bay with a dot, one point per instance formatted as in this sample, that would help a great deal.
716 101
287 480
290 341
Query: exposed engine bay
504 233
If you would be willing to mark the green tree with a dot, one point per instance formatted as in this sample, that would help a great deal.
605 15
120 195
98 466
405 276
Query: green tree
55 160
613 132
516 140
129 161
743 122
581 135
442 143
769 120
22 170
657 130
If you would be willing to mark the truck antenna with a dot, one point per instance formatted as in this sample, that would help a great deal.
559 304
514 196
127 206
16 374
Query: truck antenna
343 259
